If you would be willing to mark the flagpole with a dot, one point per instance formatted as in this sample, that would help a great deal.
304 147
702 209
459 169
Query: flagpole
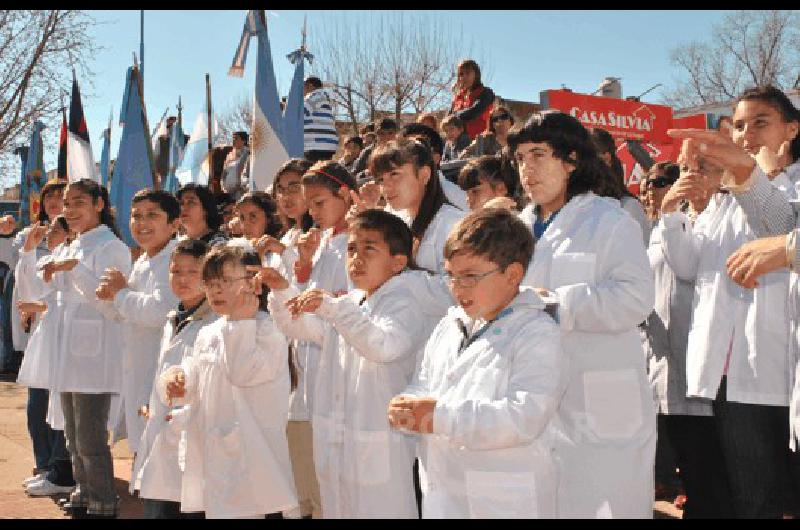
210 158
141 49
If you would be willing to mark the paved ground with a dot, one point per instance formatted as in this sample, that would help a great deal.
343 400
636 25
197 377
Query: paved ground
16 463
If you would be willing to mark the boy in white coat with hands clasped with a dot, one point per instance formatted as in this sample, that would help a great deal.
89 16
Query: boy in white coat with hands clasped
237 383
370 341
490 382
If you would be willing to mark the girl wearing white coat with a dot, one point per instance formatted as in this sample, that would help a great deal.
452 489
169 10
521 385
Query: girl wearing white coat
590 257
491 379
237 383
370 339
89 369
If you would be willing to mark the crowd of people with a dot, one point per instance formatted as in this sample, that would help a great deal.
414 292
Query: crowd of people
372 339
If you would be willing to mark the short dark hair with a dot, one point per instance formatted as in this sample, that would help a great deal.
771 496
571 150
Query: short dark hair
455 121
369 127
420 129
778 100
224 199
243 135
493 233
51 186
314 81
207 201
331 175
386 124
355 140
394 231
197 248
668 169
266 203
486 168
164 199
565 135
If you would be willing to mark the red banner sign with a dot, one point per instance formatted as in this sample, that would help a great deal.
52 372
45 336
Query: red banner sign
625 120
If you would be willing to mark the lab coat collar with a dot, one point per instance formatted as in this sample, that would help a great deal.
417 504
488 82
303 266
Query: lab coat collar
94 235
527 297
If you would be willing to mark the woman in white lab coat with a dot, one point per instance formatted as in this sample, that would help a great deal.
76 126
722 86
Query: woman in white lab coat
590 257
739 350
88 370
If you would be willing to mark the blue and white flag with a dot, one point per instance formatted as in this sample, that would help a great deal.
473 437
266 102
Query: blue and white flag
33 176
293 119
267 139
105 154
194 166
133 170
176 146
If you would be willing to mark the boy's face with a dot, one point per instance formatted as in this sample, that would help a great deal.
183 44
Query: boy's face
289 195
484 192
479 286
186 279
223 293
326 208
352 150
253 219
369 262
403 187
452 132
150 226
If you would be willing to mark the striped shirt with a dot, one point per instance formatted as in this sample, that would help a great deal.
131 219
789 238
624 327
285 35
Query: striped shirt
318 124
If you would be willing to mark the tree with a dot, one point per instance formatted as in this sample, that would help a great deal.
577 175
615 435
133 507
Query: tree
38 50
748 48
237 117
399 62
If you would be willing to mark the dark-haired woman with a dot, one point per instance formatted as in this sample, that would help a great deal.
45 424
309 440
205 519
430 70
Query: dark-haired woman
200 218
740 346
89 362
472 101
491 142
590 258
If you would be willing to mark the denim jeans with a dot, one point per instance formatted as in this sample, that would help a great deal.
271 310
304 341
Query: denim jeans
40 432
753 439
85 420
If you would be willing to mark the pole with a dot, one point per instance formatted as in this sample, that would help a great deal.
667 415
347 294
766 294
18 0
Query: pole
210 157
141 47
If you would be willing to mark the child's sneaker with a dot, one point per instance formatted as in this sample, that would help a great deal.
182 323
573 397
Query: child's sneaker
45 488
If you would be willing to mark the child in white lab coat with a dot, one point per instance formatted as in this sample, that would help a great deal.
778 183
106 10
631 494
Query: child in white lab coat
486 394
157 471
143 299
237 382
369 338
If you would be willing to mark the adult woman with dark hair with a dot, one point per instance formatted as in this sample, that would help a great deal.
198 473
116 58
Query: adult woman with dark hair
472 101
741 343
405 171
607 150
491 142
590 258
200 217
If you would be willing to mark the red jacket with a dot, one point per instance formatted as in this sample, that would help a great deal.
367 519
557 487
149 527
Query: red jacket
473 108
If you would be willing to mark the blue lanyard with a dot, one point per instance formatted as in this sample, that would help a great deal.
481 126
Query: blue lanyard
467 341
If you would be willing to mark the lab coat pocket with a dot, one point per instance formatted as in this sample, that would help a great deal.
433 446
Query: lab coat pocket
373 463
85 337
570 268
613 403
494 494
226 458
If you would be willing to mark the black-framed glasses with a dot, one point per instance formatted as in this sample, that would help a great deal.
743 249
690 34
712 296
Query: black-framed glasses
660 182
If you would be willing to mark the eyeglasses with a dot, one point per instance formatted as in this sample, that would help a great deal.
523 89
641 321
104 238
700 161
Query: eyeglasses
500 117
468 280
224 284
289 189
659 182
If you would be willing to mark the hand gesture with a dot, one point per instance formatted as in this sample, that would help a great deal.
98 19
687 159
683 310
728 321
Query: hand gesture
412 413
267 243
177 387
7 224
306 302
307 244
370 194
31 307
773 163
64 265
718 148
247 304
756 258
269 277
112 282
35 236
688 187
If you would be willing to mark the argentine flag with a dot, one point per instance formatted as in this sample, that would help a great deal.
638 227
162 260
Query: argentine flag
194 167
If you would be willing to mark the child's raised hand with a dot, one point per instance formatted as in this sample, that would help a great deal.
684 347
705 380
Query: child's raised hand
248 302
267 243
412 413
35 236
65 265
773 163
31 307
269 277
115 280
47 271
7 224
307 244
177 387
306 302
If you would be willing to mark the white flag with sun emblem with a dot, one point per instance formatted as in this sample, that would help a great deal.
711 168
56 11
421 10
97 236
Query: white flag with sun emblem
267 152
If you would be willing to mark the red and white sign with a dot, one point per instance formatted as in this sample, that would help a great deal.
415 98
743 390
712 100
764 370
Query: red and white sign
625 120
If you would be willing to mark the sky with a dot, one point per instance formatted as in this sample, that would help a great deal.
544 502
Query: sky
521 52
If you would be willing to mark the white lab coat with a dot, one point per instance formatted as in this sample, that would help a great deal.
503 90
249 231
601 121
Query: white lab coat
593 258
455 195
157 471
237 457
491 452
754 320
667 332
18 335
369 352
90 352
144 305
430 254
636 210
35 371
